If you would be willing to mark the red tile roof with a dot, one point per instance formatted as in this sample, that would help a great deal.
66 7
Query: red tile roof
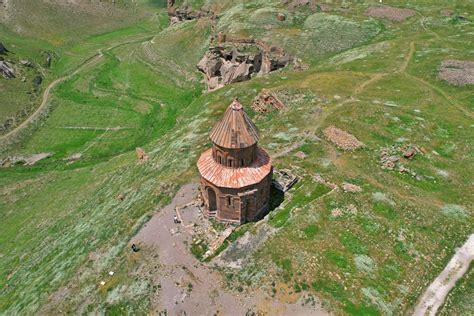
227 177
235 129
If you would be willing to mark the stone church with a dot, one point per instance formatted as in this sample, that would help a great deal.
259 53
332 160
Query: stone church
236 174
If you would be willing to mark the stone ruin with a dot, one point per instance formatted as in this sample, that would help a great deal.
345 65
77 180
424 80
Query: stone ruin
267 101
283 179
240 60
180 14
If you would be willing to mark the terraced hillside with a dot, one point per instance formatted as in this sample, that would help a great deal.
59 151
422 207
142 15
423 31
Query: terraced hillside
364 231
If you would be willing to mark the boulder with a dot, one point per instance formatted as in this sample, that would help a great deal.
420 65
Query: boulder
6 70
26 63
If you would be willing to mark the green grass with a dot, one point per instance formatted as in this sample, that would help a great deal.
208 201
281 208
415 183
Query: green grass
63 227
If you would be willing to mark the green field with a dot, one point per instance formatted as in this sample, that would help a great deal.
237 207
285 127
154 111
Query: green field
63 227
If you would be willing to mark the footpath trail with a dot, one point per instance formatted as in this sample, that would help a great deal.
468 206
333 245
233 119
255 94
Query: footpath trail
436 293
47 92
190 287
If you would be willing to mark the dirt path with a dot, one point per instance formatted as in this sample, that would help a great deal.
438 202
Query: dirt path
44 103
189 287
436 293
404 65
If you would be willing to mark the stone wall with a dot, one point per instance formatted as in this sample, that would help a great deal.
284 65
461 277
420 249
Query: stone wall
236 158
237 205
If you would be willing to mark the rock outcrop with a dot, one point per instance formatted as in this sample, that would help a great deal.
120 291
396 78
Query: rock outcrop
3 49
6 70
239 60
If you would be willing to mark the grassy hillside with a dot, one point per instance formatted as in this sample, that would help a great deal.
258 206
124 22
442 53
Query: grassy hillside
363 253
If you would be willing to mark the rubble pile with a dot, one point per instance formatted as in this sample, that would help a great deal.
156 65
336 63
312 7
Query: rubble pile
390 13
342 139
141 155
457 72
391 158
283 179
266 101
351 188
319 179
239 60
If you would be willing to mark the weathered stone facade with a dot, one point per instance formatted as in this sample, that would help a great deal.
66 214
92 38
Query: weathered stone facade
236 174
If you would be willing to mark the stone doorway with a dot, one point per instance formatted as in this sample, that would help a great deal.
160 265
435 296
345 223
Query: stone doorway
211 196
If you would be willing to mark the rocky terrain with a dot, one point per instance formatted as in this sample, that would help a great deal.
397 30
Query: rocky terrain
365 109
240 60
457 72
390 13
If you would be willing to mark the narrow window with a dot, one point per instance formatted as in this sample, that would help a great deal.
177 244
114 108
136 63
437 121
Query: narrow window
229 201
242 162
231 163
219 159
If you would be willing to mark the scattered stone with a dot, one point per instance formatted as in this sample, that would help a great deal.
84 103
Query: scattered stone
27 63
141 155
300 155
457 72
390 13
266 101
239 60
74 157
409 153
342 139
352 209
336 212
283 179
351 188
6 70
281 17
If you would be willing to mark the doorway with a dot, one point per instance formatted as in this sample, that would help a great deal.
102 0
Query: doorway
211 196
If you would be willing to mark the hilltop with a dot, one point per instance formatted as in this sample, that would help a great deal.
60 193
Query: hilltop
368 105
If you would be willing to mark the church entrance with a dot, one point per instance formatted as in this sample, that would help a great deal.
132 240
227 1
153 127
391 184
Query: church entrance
211 196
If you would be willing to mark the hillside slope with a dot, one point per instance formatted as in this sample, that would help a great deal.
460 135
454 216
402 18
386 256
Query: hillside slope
130 80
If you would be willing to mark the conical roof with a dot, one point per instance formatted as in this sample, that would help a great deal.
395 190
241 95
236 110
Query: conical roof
235 129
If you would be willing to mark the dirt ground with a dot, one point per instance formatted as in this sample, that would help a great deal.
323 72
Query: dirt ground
189 287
